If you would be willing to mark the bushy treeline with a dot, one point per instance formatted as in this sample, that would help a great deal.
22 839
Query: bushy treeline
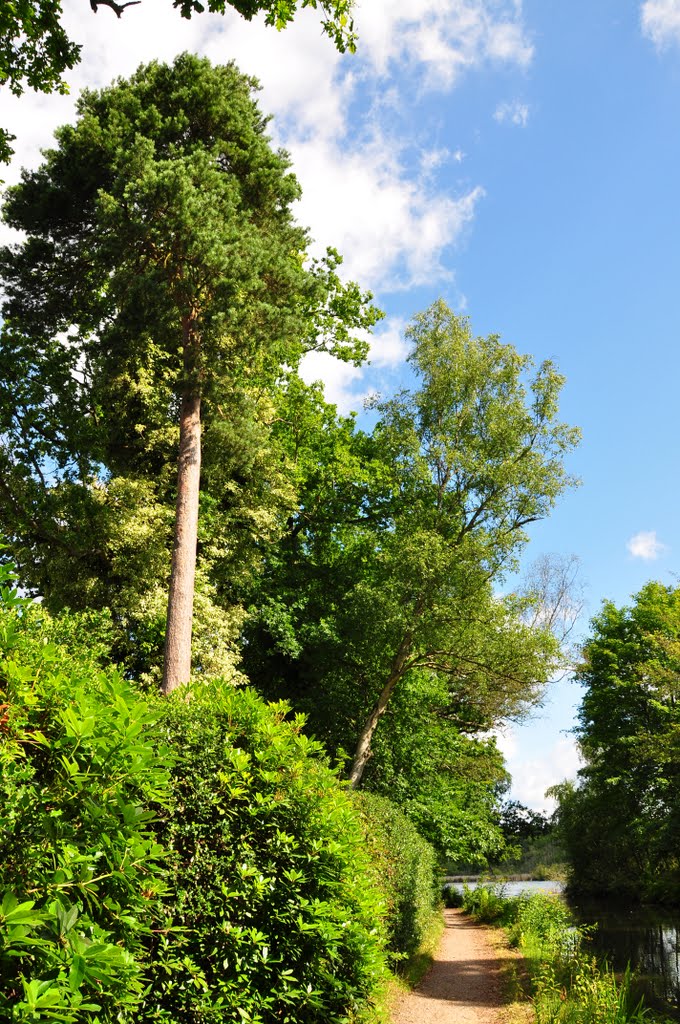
183 859
621 824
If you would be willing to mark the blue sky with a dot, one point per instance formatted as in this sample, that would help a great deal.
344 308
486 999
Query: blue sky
519 159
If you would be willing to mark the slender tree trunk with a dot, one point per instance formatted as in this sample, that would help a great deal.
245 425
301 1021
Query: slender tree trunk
177 667
362 753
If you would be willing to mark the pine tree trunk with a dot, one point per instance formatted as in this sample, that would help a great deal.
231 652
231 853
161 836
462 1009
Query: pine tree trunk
177 667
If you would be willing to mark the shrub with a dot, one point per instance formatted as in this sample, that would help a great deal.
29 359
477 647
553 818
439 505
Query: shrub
81 872
406 868
486 903
274 917
185 861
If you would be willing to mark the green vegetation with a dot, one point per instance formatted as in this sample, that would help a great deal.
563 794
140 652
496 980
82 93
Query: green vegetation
406 868
567 984
621 825
276 911
205 857
82 874
204 847
532 837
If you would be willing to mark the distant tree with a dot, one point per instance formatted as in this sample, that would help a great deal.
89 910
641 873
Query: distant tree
621 823
161 282
521 822
35 50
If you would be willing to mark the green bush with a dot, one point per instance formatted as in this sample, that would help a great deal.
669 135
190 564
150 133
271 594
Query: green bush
452 896
487 903
274 914
81 872
179 860
405 866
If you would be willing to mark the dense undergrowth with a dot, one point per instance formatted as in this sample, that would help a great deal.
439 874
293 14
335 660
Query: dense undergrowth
186 860
568 985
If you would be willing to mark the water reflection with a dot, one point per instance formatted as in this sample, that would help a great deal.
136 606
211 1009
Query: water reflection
647 938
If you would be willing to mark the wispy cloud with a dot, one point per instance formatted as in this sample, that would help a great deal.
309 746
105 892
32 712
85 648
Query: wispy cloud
443 38
513 113
363 190
660 21
646 545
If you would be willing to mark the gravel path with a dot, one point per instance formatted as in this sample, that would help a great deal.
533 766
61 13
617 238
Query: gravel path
464 984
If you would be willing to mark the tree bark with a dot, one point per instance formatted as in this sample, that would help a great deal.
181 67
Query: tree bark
362 753
177 666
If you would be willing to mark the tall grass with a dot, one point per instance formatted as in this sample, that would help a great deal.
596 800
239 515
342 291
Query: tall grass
568 985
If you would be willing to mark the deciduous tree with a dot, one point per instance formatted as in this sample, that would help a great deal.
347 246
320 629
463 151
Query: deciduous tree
621 824
393 553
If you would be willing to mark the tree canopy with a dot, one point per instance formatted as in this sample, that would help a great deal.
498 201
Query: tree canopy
387 572
621 824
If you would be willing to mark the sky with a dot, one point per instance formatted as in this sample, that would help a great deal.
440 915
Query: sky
518 158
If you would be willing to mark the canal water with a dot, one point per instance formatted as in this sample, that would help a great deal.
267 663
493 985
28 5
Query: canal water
647 938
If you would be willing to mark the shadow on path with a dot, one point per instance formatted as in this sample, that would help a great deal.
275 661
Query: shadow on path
464 985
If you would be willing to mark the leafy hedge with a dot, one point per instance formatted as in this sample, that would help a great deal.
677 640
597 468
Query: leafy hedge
179 860
81 872
407 869
278 917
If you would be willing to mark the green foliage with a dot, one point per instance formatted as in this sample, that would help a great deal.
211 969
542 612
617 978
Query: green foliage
621 824
376 614
486 903
175 861
275 916
448 783
81 871
568 985
406 868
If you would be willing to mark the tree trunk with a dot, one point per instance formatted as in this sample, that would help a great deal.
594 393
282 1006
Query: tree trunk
177 666
362 753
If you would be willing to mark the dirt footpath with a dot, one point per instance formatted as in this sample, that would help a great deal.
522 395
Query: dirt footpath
464 984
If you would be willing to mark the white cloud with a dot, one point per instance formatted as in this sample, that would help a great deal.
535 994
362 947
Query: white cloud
515 113
646 545
390 225
339 380
660 20
389 347
533 775
442 38
361 192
